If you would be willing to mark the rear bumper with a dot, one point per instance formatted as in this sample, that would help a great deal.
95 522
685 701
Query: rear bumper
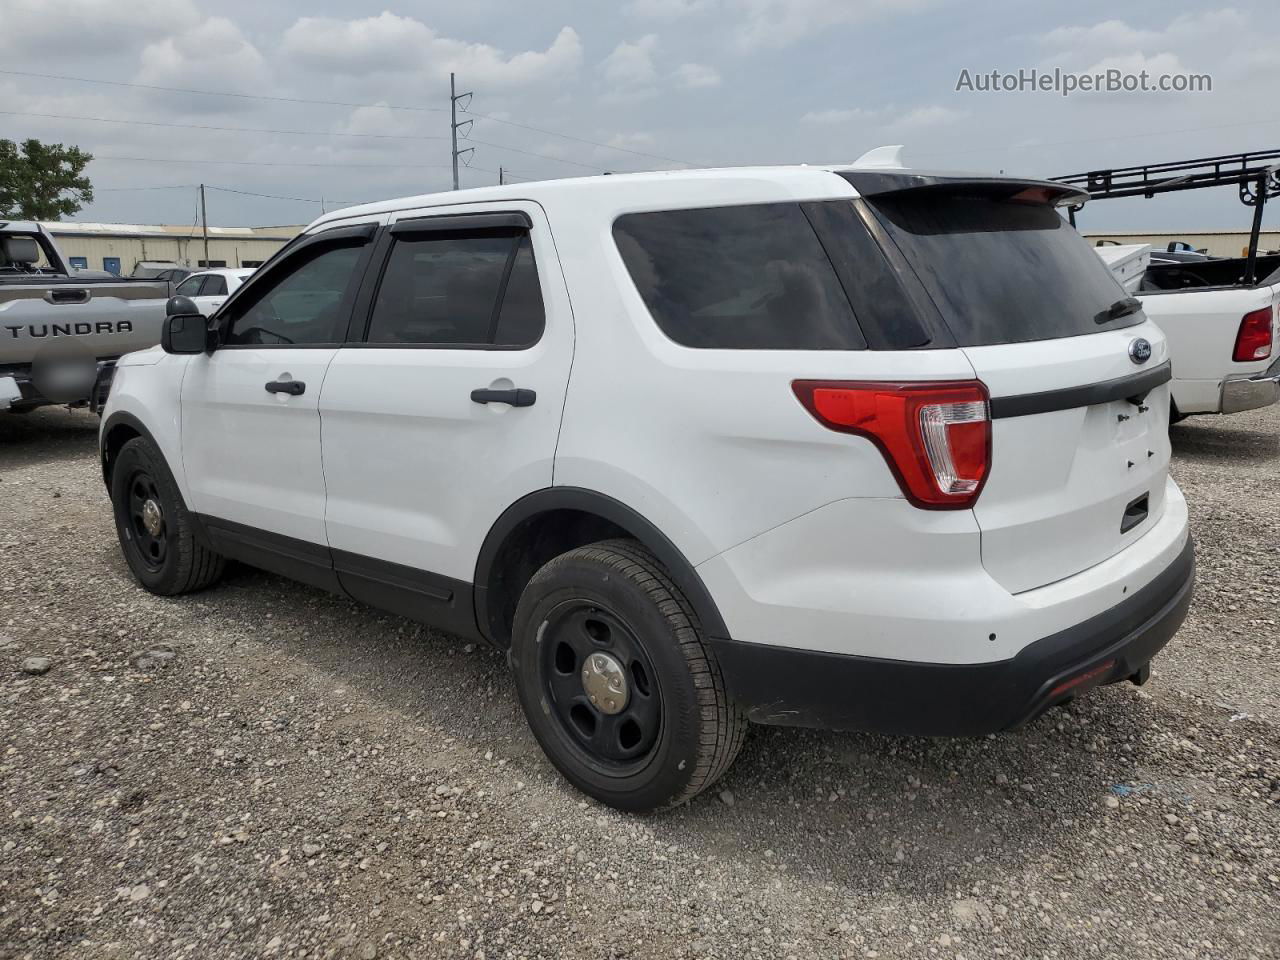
789 686
10 392
1250 393
18 389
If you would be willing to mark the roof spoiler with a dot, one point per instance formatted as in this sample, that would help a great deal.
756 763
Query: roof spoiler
876 183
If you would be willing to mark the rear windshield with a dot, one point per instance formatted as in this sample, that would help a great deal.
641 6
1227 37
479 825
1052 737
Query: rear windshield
750 277
1001 271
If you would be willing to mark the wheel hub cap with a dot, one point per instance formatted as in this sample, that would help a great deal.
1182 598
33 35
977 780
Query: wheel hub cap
152 518
605 683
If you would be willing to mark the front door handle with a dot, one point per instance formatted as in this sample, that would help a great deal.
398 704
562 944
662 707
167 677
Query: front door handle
295 388
515 397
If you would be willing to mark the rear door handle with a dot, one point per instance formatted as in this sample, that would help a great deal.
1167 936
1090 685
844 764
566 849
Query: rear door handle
295 388
515 397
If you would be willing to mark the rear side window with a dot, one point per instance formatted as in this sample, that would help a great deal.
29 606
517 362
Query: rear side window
749 278
1001 271
521 316
450 290
214 286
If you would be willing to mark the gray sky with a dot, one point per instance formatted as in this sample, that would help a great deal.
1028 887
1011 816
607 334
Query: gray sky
706 82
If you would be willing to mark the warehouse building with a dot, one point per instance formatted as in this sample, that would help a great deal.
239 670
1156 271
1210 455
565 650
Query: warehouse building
119 247
1217 243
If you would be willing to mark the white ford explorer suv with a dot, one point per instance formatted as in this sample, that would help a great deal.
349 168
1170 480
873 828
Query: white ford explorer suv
852 448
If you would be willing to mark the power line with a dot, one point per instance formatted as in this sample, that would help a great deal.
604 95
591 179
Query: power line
530 153
1122 136
342 103
306 133
567 136
202 126
173 186
215 93
273 196
267 163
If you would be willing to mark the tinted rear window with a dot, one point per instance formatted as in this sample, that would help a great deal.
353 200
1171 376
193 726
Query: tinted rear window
751 277
1000 271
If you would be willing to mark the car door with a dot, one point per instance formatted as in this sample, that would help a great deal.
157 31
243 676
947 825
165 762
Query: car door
213 292
191 288
446 408
250 420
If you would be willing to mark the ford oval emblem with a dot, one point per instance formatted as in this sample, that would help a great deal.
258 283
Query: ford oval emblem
1140 350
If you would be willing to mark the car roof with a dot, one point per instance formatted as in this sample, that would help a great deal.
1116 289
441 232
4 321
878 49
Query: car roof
610 195
713 185
240 272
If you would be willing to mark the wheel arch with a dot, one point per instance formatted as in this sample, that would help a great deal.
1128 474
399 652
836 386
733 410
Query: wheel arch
548 522
117 430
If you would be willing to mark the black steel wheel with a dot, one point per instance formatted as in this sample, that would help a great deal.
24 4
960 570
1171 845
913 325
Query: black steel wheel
619 687
157 534
601 684
150 535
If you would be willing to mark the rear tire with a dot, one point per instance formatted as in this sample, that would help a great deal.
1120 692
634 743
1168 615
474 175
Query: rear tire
672 731
157 533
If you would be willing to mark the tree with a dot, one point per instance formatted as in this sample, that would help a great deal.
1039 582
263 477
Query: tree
42 181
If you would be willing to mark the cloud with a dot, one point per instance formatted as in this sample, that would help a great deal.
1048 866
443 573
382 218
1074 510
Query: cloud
212 55
837 116
389 43
777 23
631 141
668 9
1107 35
930 116
1118 37
99 29
696 75
630 65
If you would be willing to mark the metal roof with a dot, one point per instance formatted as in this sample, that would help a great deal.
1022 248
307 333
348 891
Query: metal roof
79 229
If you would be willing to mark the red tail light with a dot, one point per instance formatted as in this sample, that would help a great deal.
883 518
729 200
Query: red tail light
936 437
1253 342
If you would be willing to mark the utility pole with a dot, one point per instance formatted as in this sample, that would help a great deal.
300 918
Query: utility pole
204 220
455 126
501 181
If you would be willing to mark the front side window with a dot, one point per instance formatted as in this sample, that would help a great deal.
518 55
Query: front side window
307 304
748 278
459 290
189 287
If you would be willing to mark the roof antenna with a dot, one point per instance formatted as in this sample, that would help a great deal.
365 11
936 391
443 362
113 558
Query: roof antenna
889 158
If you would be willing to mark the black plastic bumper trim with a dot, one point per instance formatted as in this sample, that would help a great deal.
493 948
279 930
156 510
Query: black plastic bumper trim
790 687
1136 385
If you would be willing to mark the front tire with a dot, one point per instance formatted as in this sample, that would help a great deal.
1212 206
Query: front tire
617 682
156 531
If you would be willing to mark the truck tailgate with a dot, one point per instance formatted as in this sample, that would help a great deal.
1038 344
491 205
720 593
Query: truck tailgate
105 319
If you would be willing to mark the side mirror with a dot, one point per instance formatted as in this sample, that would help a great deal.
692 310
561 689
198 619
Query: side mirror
180 307
184 333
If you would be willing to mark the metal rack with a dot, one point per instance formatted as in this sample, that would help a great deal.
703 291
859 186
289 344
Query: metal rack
1256 176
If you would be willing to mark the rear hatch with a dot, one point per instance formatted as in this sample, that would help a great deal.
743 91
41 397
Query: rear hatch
1079 406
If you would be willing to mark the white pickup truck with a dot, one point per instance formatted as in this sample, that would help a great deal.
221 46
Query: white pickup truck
1222 333
1221 315
60 331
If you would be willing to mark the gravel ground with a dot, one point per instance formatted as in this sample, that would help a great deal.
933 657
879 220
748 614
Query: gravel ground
264 770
